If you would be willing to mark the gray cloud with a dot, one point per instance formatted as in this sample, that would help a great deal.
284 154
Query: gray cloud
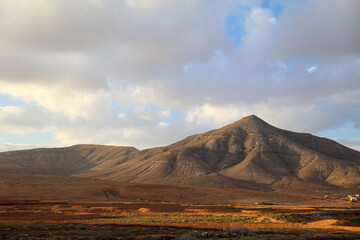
320 29
23 120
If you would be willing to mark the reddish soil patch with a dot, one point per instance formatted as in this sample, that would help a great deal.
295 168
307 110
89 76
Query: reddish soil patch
176 216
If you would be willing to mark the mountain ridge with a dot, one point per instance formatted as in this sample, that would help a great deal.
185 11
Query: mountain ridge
249 153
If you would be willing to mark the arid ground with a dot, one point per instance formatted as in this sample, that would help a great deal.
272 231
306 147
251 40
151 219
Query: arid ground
147 220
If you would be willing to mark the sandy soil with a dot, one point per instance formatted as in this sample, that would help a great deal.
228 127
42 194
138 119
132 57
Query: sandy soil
91 218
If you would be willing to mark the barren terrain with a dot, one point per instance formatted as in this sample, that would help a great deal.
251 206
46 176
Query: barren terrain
49 219
45 207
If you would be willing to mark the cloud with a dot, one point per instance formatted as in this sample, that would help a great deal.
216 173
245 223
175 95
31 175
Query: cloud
213 115
13 146
59 98
310 31
115 72
24 120
311 69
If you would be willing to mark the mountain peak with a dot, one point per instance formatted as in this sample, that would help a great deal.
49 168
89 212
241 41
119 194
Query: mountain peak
251 124
251 118
251 121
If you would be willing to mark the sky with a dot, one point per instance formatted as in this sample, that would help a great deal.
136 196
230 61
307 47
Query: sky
148 73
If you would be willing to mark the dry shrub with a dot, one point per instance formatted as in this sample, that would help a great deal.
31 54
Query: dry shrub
103 209
197 210
144 210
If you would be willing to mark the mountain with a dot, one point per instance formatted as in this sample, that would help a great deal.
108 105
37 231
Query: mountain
64 161
249 153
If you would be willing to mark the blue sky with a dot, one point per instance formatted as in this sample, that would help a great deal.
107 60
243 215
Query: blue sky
7 100
275 7
148 73
345 131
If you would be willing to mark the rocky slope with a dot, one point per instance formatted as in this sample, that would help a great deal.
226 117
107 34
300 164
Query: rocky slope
249 153
64 161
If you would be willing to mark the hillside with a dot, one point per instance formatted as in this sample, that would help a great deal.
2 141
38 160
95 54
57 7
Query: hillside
249 153
45 187
64 161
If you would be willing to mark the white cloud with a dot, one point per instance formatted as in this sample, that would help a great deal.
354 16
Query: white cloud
164 124
311 69
13 146
60 98
209 115
24 120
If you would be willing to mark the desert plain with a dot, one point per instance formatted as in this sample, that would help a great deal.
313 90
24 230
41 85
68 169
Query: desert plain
57 207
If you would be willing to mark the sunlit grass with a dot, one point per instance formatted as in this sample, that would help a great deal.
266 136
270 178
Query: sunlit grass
174 218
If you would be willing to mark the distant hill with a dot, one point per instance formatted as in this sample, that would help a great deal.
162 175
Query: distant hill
64 161
248 154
